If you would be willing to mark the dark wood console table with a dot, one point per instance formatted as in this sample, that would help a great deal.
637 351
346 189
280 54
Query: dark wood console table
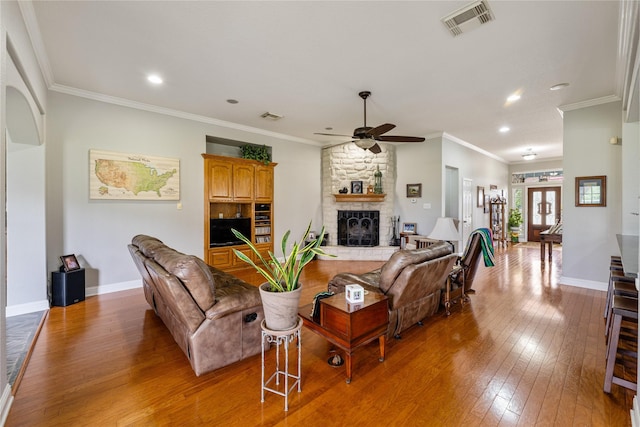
349 326
548 239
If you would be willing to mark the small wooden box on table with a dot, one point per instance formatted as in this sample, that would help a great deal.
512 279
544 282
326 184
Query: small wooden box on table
350 325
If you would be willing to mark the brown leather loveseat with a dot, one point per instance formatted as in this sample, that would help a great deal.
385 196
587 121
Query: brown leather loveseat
213 316
412 279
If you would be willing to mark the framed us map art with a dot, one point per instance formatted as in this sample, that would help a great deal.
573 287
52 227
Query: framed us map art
118 176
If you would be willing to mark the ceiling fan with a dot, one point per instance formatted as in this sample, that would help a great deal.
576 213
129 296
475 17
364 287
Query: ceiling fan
367 137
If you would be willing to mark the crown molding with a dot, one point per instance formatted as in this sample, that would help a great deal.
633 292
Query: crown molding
533 162
472 147
31 24
174 113
627 52
589 103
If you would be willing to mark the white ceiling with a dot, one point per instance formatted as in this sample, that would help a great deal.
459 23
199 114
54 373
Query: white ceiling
307 60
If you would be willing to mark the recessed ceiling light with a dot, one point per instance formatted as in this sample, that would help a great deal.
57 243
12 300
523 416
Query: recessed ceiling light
232 101
513 98
559 86
504 129
155 79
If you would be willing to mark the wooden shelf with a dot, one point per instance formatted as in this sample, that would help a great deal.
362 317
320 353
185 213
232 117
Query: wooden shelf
375 198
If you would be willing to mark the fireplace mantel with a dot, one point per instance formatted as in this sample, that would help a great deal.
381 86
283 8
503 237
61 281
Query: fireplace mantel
360 197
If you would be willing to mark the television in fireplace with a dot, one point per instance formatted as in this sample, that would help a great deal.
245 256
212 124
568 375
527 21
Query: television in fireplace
220 231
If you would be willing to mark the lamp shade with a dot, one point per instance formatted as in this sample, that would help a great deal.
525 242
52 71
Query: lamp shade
445 230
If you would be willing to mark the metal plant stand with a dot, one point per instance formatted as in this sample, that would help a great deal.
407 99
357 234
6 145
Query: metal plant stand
282 372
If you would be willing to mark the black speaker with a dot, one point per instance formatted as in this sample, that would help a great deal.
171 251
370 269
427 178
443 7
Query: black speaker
67 287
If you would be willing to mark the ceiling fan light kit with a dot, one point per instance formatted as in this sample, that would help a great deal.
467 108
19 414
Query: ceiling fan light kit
367 137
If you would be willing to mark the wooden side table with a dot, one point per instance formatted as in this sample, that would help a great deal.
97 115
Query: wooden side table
349 326
548 239
425 242
281 338
457 269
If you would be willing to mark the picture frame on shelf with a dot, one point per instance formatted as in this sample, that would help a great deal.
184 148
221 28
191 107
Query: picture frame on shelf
591 191
70 262
356 187
409 228
414 190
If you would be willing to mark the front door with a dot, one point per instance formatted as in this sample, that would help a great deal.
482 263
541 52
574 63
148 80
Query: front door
543 210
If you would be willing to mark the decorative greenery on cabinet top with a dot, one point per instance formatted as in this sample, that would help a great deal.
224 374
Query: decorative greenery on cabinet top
256 152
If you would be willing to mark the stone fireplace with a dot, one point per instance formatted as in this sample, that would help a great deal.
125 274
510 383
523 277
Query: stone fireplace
358 228
342 164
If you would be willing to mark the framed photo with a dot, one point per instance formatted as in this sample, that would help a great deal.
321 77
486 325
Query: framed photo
486 203
591 191
356 187
493 187
409 227
480 197
414 190
70 263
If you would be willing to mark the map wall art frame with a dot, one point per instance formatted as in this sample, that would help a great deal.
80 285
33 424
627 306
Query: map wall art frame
123 176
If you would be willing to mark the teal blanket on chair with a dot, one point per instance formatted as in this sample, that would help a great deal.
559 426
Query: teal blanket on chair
486 244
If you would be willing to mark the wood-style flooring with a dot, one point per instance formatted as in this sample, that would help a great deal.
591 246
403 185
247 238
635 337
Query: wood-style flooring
525 351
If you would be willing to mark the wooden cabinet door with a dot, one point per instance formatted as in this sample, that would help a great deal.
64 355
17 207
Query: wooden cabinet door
220 257
243 182
264 183
220 180
237 262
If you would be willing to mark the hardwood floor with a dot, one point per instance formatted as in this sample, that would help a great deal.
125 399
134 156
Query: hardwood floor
525 351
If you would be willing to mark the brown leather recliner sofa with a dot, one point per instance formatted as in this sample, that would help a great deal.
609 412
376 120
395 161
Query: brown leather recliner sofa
412 279
213 316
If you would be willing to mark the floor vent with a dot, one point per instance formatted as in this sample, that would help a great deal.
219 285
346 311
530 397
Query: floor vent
468 17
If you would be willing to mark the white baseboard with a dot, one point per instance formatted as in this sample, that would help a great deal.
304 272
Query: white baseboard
114 287
30 307
582 283
5 404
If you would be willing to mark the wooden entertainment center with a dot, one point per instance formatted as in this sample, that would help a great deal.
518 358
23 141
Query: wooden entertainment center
241 191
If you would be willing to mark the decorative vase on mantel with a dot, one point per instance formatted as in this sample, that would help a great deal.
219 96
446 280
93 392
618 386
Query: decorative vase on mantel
280 308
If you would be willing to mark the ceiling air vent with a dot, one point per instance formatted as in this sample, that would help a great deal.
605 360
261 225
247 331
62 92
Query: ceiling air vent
468 17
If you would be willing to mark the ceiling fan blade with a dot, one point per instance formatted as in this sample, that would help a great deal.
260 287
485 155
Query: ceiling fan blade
377 131
397 138
375 149
332 134
337 144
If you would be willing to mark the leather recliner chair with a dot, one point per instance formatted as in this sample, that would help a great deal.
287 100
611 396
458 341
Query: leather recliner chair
412 279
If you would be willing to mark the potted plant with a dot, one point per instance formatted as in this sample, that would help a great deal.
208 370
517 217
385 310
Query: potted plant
256 152
281 292
515 220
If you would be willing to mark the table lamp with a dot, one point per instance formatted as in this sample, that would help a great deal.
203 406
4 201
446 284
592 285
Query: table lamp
445 230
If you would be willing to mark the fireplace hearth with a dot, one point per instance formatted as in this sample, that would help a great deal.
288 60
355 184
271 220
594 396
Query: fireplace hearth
358 228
